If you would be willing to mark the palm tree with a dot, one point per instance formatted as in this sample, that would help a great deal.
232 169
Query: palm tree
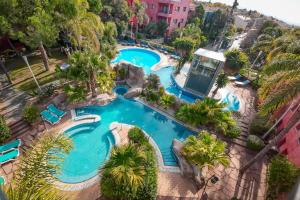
34 176
167 100
221 82
184 46
281 85
124 172
85 29
85 66
140 14
205 150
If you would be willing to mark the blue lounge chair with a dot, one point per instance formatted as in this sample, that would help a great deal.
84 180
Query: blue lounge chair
49 117
9 156
10 146
2 180
234 78
59 113
242 83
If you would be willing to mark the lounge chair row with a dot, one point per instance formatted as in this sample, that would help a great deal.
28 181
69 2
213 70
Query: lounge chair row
9 151
52 114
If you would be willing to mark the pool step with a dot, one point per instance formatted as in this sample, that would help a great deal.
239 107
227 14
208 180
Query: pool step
86 128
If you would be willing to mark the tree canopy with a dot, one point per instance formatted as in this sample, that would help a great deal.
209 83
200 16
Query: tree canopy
236 59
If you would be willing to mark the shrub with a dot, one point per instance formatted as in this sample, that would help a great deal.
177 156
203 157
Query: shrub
30 114
75 94
236 59
281 176
167 100
4 130
255 143
259 125
137 136
233 132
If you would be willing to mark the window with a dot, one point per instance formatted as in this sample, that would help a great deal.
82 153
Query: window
177 9
152 6
175 21
298 127
181 20
184 9
299 140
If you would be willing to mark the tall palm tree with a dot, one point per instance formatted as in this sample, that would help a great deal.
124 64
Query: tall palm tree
86 28
281 85
205 150
123 172
221 82
184 46
34 176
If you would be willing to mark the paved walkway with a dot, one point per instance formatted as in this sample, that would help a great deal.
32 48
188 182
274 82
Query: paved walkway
12 101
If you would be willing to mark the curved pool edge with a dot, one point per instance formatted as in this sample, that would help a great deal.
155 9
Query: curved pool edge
153 68
85 119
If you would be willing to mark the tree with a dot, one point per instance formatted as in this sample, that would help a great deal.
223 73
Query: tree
35 23
34 176
123 173
95 6
4 70
85 66
282 176
4 130
85 29
184 46
117 11
161 27
140 14
236 59
213 24
196 16
280 86
221 82
205 150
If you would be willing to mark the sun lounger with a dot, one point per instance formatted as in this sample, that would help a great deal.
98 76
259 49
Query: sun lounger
10 146
242 83
9 156
2 180
59 113
234 78
49 117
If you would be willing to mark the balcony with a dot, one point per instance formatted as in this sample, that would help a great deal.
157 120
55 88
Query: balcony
169 1
164 13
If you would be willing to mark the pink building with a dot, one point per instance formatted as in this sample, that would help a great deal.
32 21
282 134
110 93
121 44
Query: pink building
174 12
290 144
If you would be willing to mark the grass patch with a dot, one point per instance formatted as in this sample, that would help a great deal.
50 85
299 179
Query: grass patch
21 76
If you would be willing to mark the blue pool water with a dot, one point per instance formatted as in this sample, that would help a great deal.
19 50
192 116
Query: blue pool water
121 89
91 149
140 57
165 75
92 142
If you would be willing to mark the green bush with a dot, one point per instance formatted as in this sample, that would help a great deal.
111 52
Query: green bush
233 132
259 125
75 94
137 136
255 143
281 176
30 114
4 130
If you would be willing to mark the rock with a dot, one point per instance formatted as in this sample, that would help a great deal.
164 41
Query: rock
134 92
185 168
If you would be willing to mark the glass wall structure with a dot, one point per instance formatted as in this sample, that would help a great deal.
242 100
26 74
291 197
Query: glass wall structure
204 69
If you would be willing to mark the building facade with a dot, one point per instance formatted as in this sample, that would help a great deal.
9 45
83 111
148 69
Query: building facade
173 12
289 145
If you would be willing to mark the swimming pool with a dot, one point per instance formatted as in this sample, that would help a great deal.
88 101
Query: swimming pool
140 57
92 142
165 75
